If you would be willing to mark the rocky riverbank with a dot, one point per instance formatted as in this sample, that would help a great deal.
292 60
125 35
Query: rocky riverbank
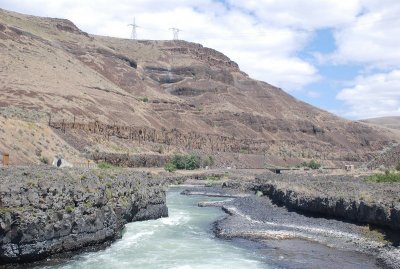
44 211
292 207
347 198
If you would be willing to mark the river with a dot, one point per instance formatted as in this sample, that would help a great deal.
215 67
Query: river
185 240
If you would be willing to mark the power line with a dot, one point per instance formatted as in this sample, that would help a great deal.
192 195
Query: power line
134 26
175 32
257 33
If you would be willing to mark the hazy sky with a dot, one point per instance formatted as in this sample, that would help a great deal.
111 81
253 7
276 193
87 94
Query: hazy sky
342 56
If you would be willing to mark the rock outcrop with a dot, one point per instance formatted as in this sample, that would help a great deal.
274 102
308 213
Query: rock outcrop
278 213
340 197
44 211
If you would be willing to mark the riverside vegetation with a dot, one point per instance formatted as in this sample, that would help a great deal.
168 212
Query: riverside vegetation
188 162
313 164
388 176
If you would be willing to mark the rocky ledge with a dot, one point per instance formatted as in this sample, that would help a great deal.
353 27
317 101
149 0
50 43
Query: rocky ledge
336 211
44 211
342 197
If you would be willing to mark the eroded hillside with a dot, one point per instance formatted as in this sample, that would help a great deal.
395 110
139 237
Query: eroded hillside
153 95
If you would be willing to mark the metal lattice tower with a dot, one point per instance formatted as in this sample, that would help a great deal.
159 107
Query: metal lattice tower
175 32
134 26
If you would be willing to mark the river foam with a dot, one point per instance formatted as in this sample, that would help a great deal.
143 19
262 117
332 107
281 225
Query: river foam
184 240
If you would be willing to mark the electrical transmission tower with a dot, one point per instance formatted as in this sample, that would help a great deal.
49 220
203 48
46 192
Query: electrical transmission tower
175 32
134 26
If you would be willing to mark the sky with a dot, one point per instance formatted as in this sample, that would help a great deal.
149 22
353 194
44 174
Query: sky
341 56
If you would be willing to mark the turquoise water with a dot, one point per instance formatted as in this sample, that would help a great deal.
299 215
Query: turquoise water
184 240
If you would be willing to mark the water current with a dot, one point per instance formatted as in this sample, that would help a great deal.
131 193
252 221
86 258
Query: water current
184 240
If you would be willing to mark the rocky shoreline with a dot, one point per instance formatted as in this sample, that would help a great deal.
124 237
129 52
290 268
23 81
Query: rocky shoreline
312 208
342 197
46 211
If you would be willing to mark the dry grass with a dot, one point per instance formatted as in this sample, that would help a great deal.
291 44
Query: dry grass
29 142
365 196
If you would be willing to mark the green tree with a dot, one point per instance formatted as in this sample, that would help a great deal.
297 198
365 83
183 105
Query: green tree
185 162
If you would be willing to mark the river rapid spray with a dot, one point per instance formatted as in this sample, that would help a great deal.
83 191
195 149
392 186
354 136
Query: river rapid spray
183 240
186 240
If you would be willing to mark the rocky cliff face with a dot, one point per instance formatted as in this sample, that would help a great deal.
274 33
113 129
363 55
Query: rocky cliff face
341 197
196 94
44 211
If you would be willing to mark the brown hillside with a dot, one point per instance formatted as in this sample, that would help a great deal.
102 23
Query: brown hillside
158 93
392 123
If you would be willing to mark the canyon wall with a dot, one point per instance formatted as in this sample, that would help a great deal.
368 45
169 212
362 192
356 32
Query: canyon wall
44 211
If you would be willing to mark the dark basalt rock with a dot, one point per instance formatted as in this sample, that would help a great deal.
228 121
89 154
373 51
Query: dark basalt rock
343 197
46 211
187 91
67 26
132 63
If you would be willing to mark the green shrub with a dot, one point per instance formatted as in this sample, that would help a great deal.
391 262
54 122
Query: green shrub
188 162
145 99
105 165
312 164
208 161
170 167
386 177
12 209
70 209
108 193
213 178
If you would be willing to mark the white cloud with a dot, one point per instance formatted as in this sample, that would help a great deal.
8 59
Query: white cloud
373 96
373 39
303 14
